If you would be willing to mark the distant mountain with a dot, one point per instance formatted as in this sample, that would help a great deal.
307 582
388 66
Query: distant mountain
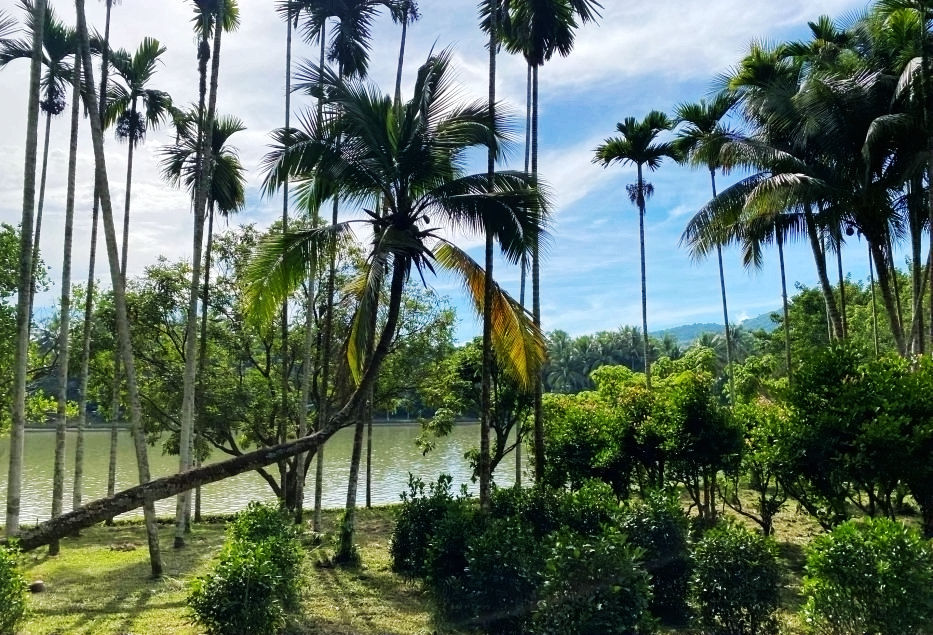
686 334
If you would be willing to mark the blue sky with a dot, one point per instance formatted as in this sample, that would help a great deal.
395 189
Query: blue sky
642 56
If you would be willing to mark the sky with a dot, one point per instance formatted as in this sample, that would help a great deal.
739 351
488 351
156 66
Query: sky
641 56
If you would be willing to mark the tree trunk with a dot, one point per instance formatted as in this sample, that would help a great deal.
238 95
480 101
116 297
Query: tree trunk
24 284
58 478
536 282
345 548
725 306
842 289
369 458
785 306
89 292
916 271
202 352
401 61
119 296
887 295
39 208
874 304
644 279
524 264
191 326
129 191
820 258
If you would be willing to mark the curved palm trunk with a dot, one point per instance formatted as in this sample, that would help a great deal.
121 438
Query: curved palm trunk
191 327
169 486
24 284
58 476
887 295
39 207
725 306
819 256
119 296
644 284
785 306
89 291
536 282
486 402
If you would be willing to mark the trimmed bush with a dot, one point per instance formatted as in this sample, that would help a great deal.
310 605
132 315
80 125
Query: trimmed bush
240 594
416 523
13 590
260 523
871 576
590 509
504 567
734 587
539 508
593 584
659 527
445 561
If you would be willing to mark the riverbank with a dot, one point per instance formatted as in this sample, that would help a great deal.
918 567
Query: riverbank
99 584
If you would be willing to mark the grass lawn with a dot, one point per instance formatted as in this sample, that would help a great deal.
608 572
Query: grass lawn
100 583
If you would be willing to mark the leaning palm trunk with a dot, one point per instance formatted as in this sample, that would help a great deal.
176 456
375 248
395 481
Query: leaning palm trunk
819 256
191 326
119 295
885 283
725 305
24 284
58 477
785 306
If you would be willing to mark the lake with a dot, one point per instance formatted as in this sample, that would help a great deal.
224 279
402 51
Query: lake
394 456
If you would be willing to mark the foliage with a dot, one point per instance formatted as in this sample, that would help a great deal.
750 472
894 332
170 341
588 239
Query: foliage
416 522
734 586
446 558
593 584
870 576
13 591
658 526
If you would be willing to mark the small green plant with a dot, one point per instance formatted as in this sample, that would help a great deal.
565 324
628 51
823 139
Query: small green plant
261 523
240 594
446 563
734 587
416 523
871 576
659 526
593 584
504 567
13 591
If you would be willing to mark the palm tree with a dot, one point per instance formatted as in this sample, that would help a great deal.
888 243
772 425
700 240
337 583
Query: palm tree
638 145
119 295
26 268
89 299
700 141
212 18
8 26
538 29
64 333
406 156
406 14
57 49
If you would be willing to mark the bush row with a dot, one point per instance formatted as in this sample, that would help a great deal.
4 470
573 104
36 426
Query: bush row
12 591
255 580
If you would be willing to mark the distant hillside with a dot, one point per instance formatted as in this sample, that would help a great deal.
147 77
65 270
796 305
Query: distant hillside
686 334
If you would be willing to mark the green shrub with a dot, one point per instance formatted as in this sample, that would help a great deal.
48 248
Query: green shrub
13 590
659 527
593 584
504 567
539 508
240 593
445 561
416 523
590 508
873 576
734 587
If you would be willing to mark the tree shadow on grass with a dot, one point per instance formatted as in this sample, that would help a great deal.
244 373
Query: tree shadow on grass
793 559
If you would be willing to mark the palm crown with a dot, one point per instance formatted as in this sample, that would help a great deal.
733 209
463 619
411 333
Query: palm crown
408 159
135 72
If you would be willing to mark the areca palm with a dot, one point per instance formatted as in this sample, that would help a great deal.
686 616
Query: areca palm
408 157
638 145
700 141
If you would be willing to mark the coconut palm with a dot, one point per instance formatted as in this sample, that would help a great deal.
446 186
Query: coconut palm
700 141
57 51
408 157
25 277
638 145
119 295
212 18
406 14
89 303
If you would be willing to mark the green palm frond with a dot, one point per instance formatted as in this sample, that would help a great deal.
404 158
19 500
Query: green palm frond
8 25
519 344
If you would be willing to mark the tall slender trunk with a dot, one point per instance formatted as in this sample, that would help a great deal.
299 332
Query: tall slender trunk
524 264
725 306
283 420
644 278
324 348
785 305
89 291
131 142
401 61
307 371
345 550
24 283
842 288
191 327
37 231
887 295
536 283
369 458
486 397
119 296
926 74
874 304
58 477
819 257
916 273
202 350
